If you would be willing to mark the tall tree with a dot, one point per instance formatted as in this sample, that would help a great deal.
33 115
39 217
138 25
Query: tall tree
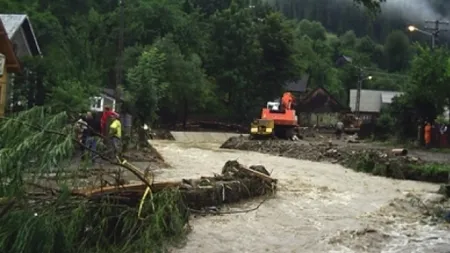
397 51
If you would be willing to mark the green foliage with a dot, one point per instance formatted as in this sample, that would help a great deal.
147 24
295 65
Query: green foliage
145 83
28 146
397 51
75 225
397 167
384 126
427 94
70 96
191 57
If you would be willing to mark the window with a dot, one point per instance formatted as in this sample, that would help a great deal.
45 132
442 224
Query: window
96 104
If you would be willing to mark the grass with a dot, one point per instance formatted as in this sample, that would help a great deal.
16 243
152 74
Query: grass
399 168
392 143
432 168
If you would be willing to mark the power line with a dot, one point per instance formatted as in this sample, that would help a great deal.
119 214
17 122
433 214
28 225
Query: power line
434 27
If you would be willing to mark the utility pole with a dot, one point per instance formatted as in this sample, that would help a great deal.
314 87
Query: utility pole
358 91
435 29
119 69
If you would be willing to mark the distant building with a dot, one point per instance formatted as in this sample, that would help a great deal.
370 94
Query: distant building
105 98
371 101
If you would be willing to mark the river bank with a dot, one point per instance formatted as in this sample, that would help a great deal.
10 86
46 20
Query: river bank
379 161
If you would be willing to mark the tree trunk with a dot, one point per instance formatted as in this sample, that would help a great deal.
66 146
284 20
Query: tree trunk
29 80
40 89
142 135
185 112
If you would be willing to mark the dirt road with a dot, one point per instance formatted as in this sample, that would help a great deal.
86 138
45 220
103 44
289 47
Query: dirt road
317 207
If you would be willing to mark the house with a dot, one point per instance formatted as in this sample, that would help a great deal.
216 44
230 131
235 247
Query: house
320 108
371 101
20 33
9 64
106 98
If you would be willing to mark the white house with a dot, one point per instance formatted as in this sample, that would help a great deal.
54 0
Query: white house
371 101
106 98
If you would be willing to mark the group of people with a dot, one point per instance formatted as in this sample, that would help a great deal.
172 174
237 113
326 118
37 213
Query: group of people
438 132
107 128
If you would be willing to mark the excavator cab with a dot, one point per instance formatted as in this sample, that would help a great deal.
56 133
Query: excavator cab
273 106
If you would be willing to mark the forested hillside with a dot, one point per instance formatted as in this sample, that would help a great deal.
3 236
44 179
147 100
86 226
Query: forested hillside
195 56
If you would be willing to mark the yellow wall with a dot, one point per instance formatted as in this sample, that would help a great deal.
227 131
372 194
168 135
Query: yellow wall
3 92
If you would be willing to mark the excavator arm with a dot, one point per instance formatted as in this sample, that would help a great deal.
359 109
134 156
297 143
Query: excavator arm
287 100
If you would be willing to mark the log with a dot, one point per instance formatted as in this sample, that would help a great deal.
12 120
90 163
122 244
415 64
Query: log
255 173
400 151
137 188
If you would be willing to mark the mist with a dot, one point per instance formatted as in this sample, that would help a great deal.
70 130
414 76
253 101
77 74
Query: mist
416 11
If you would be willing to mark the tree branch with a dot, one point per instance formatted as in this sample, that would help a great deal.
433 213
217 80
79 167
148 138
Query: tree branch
103 157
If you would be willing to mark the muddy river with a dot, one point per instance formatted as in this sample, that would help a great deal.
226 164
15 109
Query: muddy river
319 208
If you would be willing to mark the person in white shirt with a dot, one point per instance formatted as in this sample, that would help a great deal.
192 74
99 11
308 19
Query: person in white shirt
339 129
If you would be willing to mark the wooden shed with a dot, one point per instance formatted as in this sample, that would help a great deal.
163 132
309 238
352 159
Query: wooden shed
319 107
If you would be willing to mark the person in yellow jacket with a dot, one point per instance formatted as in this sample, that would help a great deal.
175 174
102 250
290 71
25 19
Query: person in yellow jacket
115 133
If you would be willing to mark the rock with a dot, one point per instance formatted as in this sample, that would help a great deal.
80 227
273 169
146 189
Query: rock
431 199
352 139
444 190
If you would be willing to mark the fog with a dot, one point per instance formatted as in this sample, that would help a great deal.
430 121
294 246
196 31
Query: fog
413 10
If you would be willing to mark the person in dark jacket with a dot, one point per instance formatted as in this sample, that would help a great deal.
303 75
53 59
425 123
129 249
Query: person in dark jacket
93 131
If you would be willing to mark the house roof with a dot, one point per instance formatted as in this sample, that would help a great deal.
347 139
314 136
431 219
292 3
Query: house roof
299 85
320 100
13 22
111 93
372 100
6 48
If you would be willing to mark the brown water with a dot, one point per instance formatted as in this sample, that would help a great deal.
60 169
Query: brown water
315 210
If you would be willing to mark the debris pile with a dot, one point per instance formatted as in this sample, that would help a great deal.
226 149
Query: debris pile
236 182
378 161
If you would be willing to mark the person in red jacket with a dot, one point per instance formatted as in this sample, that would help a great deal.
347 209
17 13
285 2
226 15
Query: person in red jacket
107 112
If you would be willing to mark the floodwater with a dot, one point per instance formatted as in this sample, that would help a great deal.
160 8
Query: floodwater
319 207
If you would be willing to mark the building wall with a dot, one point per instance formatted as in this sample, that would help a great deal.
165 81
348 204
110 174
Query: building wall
368 116
20 41
320 119
98 103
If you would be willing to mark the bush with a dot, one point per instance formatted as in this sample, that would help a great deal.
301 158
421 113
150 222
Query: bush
384 126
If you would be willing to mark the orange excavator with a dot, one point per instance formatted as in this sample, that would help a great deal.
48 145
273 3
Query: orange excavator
278 119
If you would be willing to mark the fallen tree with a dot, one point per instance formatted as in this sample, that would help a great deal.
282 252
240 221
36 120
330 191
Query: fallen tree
236 182
49 205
